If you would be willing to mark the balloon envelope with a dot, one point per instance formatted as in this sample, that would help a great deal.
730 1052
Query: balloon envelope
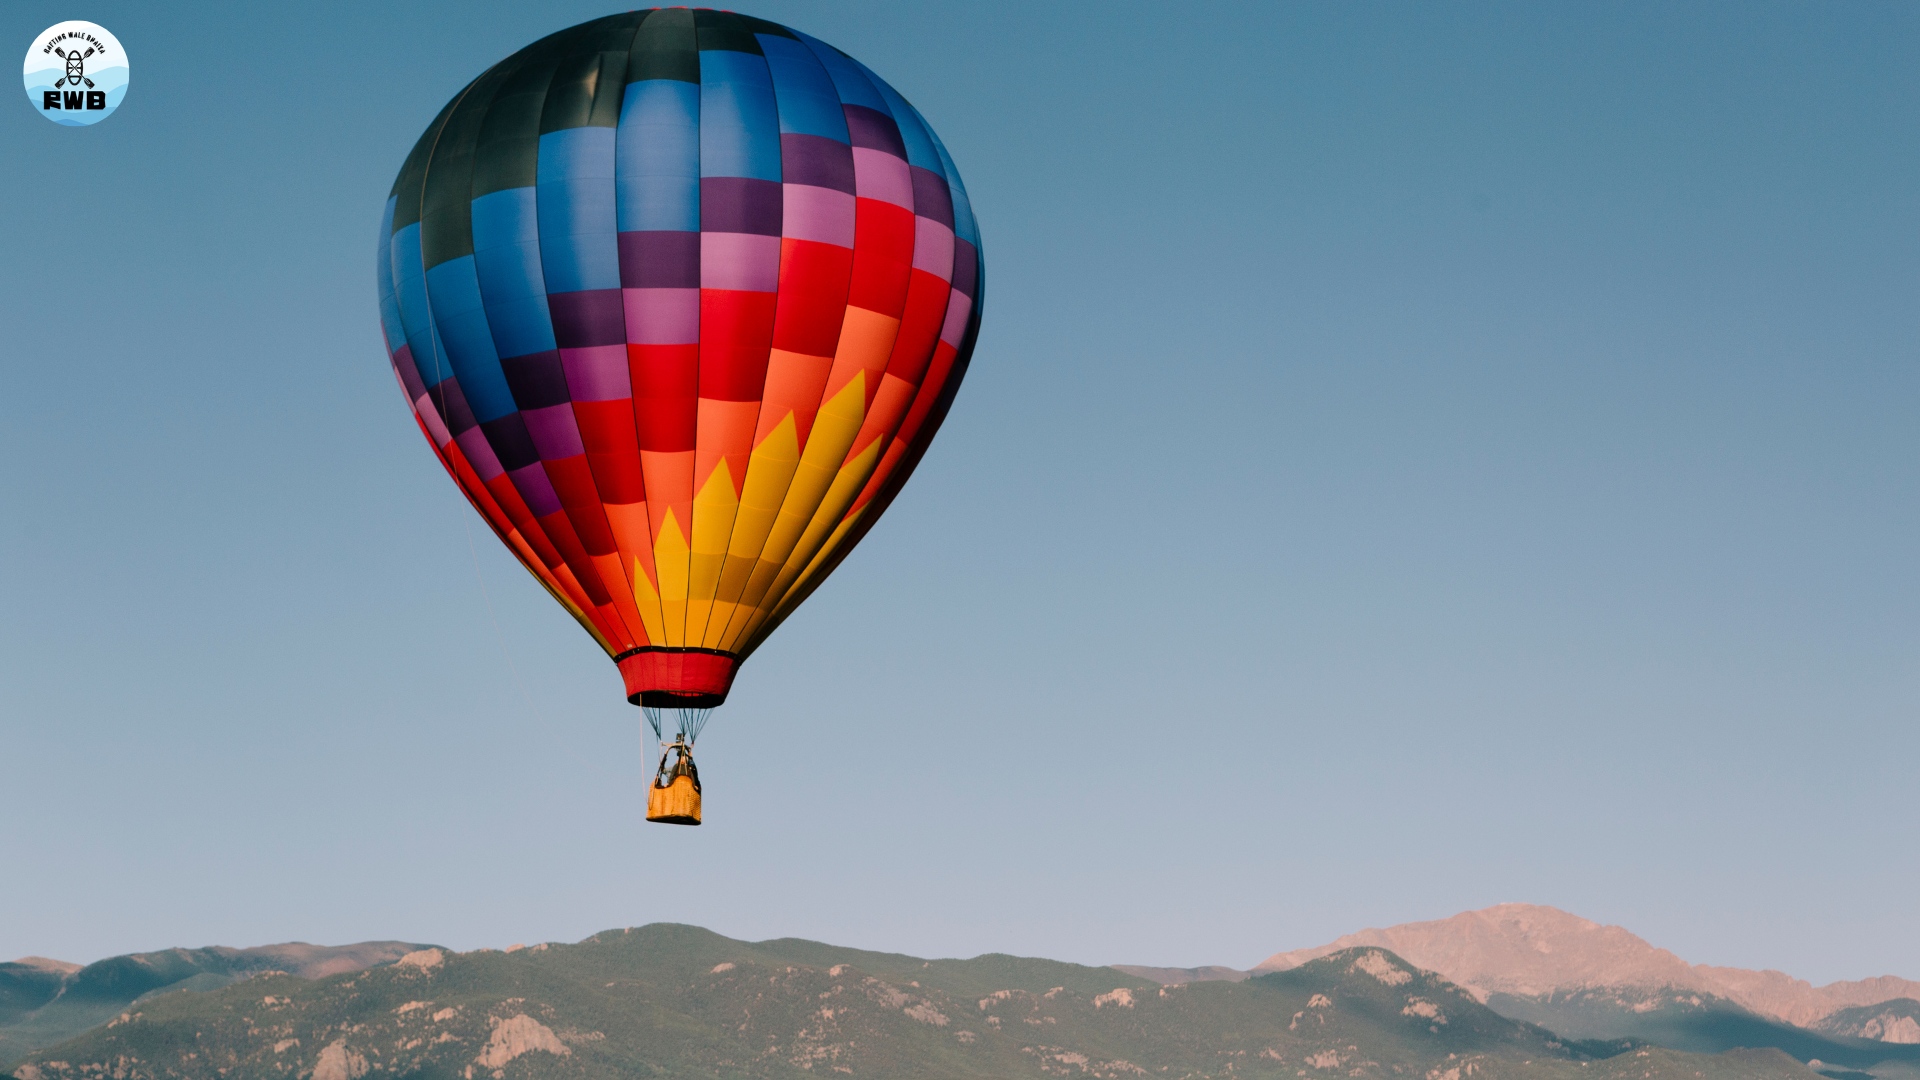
679 297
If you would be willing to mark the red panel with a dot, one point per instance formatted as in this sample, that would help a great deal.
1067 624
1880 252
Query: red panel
560 531
573 481
570 587
882 256
926 311
937 375
736 330
613 449
606 427
813 295
666 386
619 476
508 496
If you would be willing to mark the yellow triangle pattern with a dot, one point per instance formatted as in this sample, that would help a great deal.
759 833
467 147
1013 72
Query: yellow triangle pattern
670 558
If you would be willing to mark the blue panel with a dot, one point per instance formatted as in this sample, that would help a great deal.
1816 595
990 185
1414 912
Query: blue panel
913 130
454 292
579 242
739 124
521 326
575 154
848 82
659 204
410 291
964 226
579 247
383 276
657 158
454 289
429 359
511 272
807 101
390 321
504 217
506 256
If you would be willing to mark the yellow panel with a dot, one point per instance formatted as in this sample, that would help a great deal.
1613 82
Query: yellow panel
846 485
799 588
833 430
713 513
649 604
770 472
670 557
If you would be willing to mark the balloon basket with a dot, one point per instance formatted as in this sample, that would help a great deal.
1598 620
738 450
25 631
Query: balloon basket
678 803
674 796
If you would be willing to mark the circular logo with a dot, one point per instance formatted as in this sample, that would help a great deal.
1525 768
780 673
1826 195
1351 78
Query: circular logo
76 73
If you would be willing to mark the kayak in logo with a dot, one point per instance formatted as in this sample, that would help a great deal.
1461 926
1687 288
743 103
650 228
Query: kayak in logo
76 73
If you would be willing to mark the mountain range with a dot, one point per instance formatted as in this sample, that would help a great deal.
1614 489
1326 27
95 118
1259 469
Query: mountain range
1511 991
1584 980
1532 951
679 1001
43 1002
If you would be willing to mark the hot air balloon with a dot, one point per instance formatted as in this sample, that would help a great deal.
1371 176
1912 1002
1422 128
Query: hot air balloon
679 298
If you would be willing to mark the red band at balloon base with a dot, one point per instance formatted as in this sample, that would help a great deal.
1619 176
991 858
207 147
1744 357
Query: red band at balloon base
665 677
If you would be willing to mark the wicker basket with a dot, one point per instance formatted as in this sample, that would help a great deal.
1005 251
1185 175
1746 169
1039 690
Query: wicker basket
678 803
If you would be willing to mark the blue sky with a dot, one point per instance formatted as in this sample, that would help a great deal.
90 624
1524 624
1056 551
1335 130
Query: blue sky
1417 457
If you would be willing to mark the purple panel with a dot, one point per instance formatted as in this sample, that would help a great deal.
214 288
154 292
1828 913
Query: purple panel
451 401
532 483
933 248
739 204
663 316
436 428
554 432
875 130
931 199
959 306
659 260
880 175
537 379
588 317
810 159
597 374
510 441
473 443
409 373
739 261
966 267
815 213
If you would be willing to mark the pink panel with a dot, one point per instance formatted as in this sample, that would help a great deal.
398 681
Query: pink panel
879 175
554 432
473 443
933 248
819 214
959 306
430 416
746 262
662 316
598 373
